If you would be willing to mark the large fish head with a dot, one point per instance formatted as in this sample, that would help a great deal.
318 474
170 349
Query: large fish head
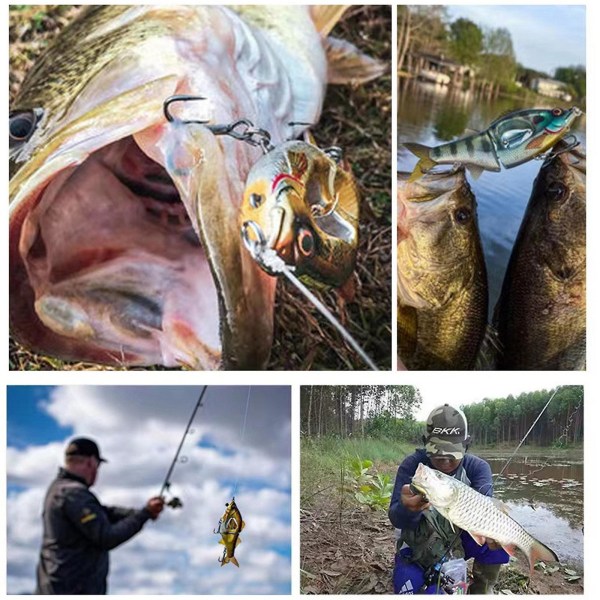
124 237
559 207
439 249
299 202
436 486
525 134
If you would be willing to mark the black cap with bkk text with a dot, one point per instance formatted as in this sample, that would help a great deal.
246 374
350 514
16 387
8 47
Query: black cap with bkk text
84 447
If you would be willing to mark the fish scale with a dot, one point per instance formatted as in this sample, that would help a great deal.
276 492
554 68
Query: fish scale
477 514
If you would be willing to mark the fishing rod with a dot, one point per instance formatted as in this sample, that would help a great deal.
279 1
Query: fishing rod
176 502
528 432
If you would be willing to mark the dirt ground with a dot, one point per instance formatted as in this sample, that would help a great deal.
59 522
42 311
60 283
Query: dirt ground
346 548
356 118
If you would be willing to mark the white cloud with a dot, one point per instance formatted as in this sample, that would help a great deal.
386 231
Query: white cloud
138 430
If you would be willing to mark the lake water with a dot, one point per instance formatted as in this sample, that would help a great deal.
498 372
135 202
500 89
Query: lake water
432 114
545 495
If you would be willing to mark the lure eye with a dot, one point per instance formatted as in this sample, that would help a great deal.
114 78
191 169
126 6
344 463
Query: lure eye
256 200
462 216
21 126
306 242
557 112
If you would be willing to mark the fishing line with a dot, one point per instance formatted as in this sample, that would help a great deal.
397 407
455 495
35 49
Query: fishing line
167 482
528 432
243 434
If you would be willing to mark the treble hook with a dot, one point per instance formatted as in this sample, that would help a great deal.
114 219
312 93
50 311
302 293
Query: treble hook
568 146
180 98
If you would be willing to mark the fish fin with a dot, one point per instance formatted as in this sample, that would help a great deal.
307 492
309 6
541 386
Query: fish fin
538 552
510 549
243 525
347 64
425 161
233 560
238 542
490 350
326 16
221 542
475 171
479 539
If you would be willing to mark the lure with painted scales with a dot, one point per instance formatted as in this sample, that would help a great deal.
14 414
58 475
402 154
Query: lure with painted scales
304 202
509 141
230 526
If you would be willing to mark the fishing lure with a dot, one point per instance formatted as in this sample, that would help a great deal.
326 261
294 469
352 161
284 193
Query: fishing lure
229 528
303 203
509 141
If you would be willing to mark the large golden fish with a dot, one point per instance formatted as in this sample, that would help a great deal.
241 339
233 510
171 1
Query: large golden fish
124 235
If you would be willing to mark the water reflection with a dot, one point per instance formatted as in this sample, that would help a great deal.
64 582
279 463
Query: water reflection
432 114
545 495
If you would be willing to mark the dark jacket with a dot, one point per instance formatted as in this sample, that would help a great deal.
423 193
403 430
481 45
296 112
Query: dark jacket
78 533
476 469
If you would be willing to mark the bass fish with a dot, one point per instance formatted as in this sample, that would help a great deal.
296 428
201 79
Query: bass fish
509 141
442 280
230 526
305 205
541 314
477 514
124 227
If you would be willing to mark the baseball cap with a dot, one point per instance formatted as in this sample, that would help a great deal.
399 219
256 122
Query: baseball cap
446 432
84 447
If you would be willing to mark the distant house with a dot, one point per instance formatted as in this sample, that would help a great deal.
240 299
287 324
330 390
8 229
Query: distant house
551 88
439 69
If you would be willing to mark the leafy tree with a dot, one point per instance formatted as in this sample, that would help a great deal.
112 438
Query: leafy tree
466 41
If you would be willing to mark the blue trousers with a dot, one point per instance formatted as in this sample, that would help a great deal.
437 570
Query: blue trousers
409 577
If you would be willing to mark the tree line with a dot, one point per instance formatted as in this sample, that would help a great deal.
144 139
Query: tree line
358 410
507 420
379 411
489 51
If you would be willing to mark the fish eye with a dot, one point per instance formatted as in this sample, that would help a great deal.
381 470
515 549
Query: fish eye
462 215
306 242
557 112
256 200
21 125
559 191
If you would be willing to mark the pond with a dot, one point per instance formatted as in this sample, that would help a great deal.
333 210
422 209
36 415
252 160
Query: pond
545 495
432 114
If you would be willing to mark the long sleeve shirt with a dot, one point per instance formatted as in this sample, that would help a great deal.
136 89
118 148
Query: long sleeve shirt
78 533
477 471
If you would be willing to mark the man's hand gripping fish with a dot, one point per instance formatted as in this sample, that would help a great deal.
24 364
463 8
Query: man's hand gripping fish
477 514
509 141
230 526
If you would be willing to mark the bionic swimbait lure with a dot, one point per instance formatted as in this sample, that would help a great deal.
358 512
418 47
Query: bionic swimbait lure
509 141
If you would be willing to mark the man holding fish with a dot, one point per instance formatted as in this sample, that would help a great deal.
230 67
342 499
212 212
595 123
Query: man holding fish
443 508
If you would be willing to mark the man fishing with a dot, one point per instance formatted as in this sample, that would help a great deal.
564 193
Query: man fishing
427 539
78 530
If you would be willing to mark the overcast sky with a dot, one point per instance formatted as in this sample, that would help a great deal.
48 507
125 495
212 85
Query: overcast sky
544 36
138 430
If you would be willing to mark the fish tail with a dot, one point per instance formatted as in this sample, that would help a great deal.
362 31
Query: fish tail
538 552
234 561
425 161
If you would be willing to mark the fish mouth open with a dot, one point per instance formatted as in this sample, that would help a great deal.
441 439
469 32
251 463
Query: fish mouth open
106 266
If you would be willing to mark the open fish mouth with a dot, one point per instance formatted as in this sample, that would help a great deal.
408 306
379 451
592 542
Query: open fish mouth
107 266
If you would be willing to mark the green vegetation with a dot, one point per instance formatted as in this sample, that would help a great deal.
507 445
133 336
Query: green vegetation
507 420
487 52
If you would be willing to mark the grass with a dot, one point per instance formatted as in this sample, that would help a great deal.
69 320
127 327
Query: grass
356 118
323 460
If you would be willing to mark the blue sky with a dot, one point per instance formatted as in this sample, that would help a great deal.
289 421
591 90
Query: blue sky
138 430
544 36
